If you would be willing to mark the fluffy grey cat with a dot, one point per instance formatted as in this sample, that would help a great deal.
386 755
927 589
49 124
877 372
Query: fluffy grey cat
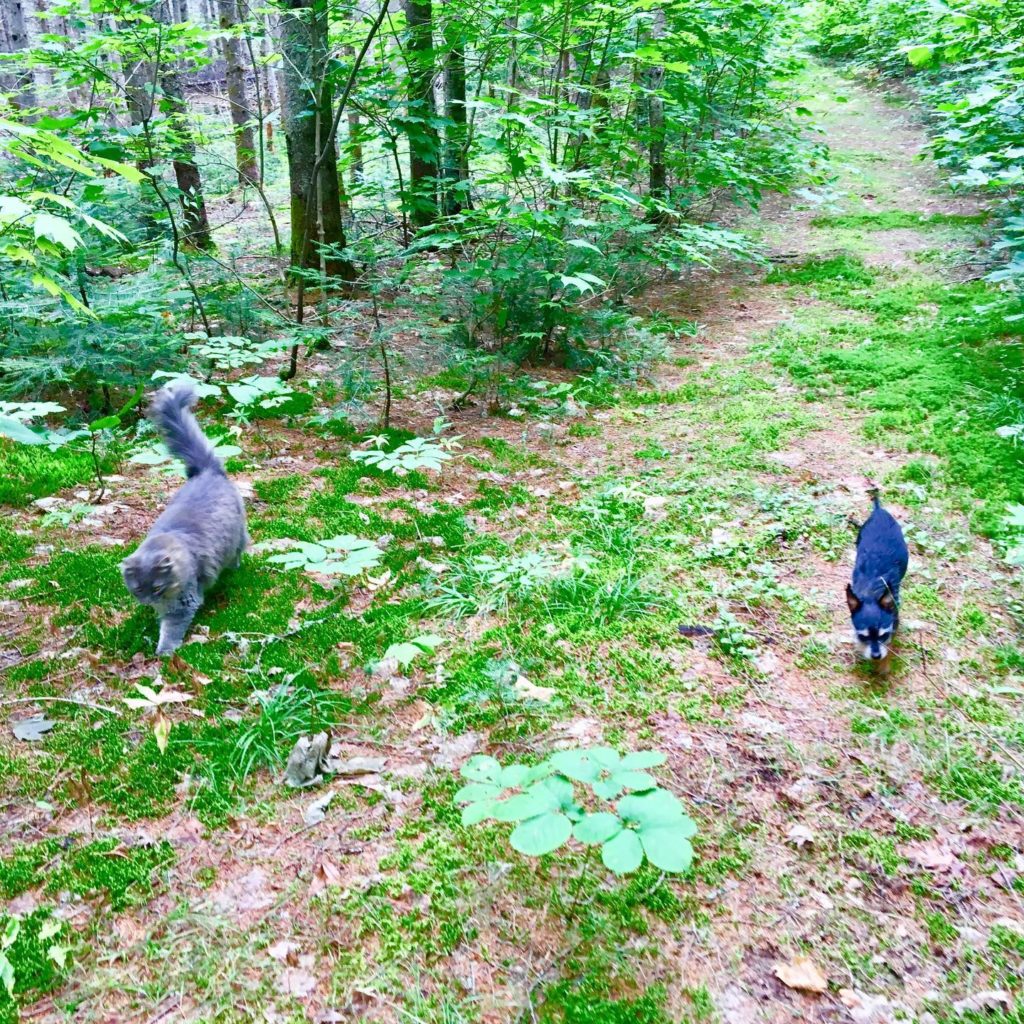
200 533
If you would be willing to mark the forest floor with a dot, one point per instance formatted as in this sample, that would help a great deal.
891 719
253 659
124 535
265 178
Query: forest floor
860 854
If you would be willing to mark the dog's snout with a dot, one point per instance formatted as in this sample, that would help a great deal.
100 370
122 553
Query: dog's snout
876 653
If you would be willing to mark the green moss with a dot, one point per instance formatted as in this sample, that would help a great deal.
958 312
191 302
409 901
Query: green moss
123 874
28 472
888 220
930 362
877 850
586 1001
36 972
984 785
845 267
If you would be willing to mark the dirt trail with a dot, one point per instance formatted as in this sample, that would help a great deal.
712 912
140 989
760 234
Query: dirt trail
785 769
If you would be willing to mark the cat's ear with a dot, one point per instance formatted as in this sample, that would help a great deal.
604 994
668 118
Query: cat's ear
887 601
852 600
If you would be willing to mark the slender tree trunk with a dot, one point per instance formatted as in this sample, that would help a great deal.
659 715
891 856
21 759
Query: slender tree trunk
8 83
138 86
512 65
18 41
186 171
355 138
423 140
238 94
658 181
456 154
306 117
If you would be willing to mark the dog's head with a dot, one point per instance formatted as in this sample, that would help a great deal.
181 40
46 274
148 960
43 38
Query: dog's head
874 621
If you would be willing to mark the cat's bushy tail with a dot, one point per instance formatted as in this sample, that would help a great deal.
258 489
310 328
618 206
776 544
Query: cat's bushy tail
171 411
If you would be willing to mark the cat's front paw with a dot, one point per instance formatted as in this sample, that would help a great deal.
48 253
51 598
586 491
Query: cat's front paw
166 648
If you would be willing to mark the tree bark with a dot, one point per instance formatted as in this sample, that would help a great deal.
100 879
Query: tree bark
238 95
658 179
456 155
183 157
420 113
18 41
307 106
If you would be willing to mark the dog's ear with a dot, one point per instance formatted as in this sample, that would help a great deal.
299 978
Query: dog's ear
852 600
887 601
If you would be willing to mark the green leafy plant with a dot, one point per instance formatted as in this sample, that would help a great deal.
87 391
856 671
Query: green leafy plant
570 795
407 651
430 453
485 583
344 555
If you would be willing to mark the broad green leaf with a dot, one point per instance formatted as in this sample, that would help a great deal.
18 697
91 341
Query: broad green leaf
56 229
482 768
542 834
577 764
637 781
106 423
667 848
919 55
17 431
12 208
597 828
650 810
1015 517
623 853
607 789
473 814
516 775
521 806
474 791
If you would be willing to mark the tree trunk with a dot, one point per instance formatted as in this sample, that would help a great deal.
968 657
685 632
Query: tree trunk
658 182
183 157
307 105
355 138
8 83
238 95
138 86
422 135
456 156
18 41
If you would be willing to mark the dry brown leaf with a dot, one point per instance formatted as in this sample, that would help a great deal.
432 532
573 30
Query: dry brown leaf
801 973
325 873
800 836
530 691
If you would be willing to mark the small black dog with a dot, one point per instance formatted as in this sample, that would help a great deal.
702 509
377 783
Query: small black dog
874 592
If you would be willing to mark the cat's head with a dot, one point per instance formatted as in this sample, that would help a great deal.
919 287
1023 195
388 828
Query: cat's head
158 571
874 622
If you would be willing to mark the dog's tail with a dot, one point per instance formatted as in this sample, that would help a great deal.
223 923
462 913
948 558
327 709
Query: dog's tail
171 411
